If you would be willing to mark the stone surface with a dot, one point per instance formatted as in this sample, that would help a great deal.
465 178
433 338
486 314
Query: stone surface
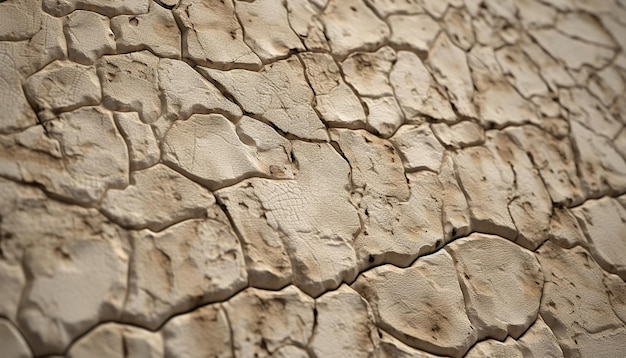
502 292
109 8
156 198
143 148
89 36
13 344
114 340
413 32
430 294
418 147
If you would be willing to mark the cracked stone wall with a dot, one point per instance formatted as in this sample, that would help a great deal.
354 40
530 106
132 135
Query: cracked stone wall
323 178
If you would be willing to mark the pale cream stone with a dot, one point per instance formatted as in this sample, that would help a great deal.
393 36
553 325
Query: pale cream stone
20 20
432 314
203 332
535 13
88 36
92 273
620 142
570 51
63 86
13 344
108 8
266 29
607 85
565 230
112 340
552 72
304 19
368 72
16 114
459 135
438 8
417 92
384 8
129 84
458 25
575 304
222 154
448 64
586 27
267 259
279 94
77 156
336 102
345 323
493 348
189 264
364 32
501 283
384 117
499 104
604 223
391 347
156 198
418 148
617 294
185 92
12 278
212 35
156 31
554 160
587 110
519 70
290 352
413 32
142 145
455 211
263 321
539 341
602 168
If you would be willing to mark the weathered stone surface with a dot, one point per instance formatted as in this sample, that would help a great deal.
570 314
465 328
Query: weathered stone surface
204 332
458 25
129 84
617 294
279 94
575 304
571 51
521 72
63 86
416 90
432 314
418 148
587 110
109 8
565 230
384 117
88 36
12 279
391 347
345 323
156 198
385 8
539 341
184 266
212 36
502 289
305 21
368 72
113 340
455 211
604 224
413 32
17 114
20 20
449 66
13 344
493 348
156 31
143 148
263 321
337 104
266 28
459 135
342 35
223 154
77 156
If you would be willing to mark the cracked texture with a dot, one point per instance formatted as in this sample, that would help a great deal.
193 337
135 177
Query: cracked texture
312 178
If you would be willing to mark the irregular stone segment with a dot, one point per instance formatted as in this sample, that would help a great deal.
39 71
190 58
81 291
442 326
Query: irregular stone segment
337 104
575 304
109 8
266 28
156 31
572 52
459 135
157 198
278 94
212 35
311 214
142 145
539 341
12 279
203 332
17 114
114 340
129 83
345 323
13 344
185 92
501 284
20 20
604 223
391 347
364 31
88 36
418 147
184 266
432 314
221 154
413 32
77 156
63 86
521 72
263 321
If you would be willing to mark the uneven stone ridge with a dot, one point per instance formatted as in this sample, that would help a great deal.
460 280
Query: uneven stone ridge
312 178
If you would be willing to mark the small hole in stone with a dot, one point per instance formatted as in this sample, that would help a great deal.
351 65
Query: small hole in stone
133 21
